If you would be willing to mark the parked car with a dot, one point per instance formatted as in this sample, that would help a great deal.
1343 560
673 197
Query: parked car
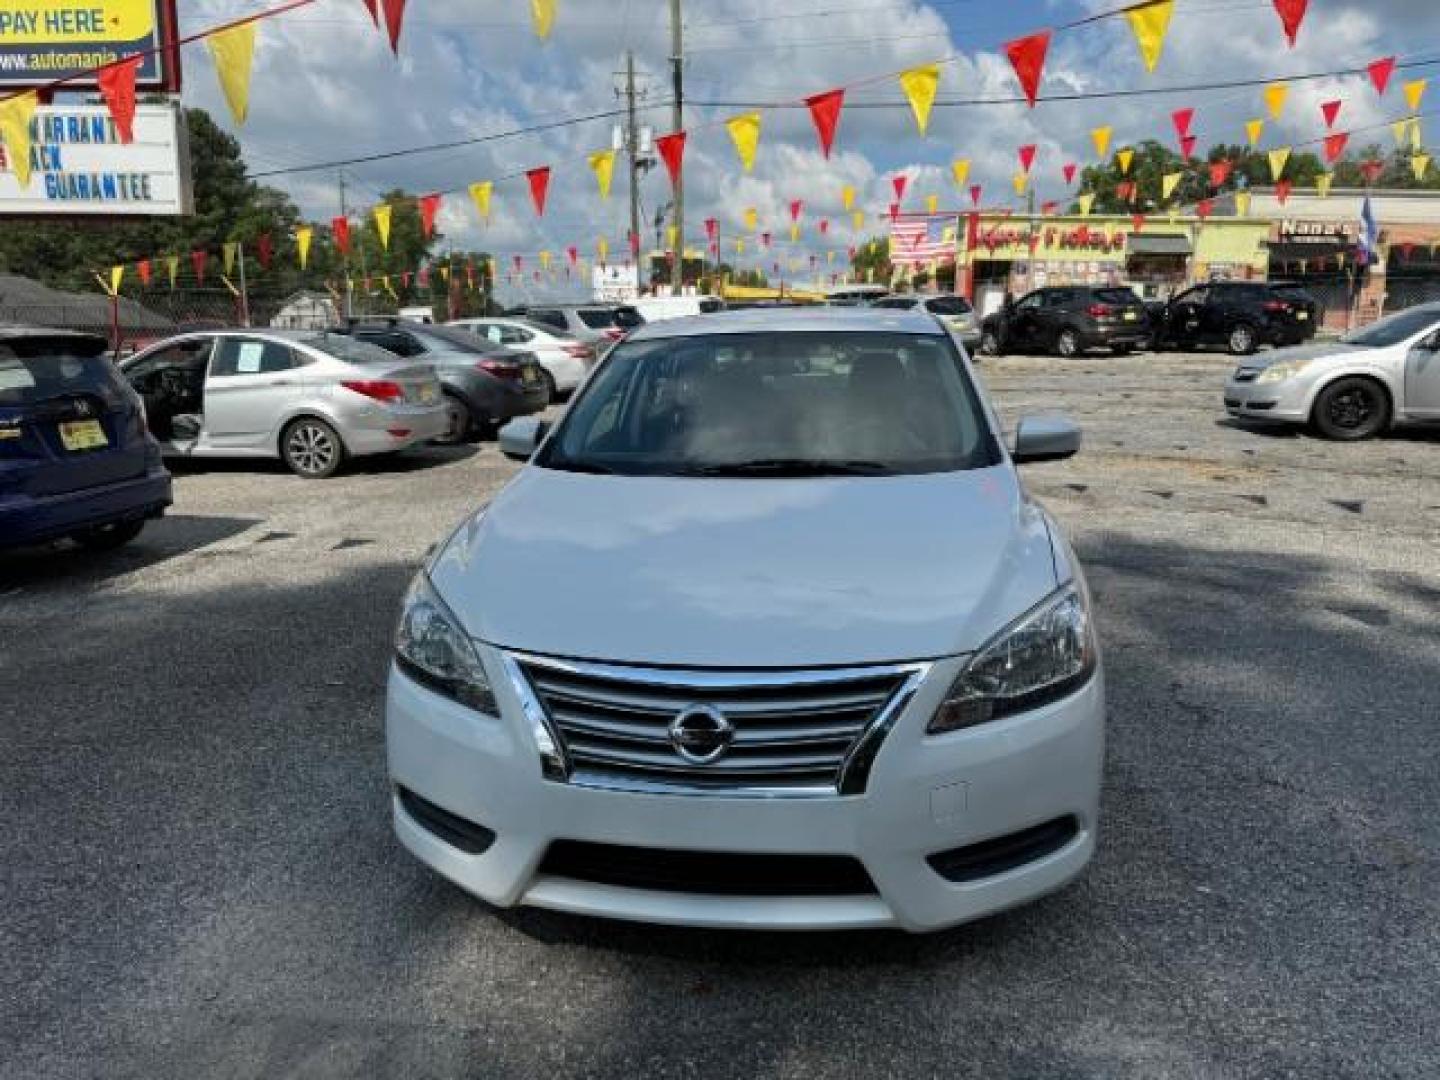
311 398
1240 315
75 457
1067 320
954 311
565 359
599 324
1371 379
766 633
484 384
656 308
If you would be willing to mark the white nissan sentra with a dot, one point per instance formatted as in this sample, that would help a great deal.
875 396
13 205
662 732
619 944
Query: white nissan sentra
767 633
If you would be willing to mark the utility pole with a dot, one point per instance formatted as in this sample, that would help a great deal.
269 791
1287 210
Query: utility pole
677 63
632 150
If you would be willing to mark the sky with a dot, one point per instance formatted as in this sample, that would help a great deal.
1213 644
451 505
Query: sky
326 87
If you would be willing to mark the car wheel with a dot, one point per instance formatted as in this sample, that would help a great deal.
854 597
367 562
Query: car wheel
311 448
458 423
1067 343
990 343
552 394
108 537
1241 341
1122 350
1350 409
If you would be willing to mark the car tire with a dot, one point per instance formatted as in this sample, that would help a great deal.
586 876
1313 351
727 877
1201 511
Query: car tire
1242 339
552 393
1067 343
1351 409
989 343
311 448
108 537
1122 350
458 415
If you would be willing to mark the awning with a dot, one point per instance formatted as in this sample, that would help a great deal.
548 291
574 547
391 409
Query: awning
1157 244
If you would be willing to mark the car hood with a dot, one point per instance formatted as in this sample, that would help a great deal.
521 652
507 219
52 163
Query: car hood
748 572
1314 350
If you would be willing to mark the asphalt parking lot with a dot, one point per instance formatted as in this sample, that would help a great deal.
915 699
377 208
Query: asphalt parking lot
200 879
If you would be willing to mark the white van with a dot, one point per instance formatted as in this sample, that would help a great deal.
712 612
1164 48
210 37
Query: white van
660 308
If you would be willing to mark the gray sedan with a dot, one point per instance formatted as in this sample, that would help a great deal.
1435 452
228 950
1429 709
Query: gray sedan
310 399
1370 380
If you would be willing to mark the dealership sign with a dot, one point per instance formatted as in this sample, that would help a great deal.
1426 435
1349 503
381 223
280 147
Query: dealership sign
45 40
78 165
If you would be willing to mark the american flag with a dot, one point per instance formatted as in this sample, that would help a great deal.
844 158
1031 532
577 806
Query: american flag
917 239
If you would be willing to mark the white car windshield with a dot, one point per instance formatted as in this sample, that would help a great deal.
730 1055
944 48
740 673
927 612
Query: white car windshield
777 404
1394 329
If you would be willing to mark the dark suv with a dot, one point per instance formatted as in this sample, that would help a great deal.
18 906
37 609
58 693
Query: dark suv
1240 315
1067 319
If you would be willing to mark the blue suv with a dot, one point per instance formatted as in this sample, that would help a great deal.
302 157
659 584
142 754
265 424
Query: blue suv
76 459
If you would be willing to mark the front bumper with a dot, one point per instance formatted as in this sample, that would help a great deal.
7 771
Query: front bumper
925 795
25 520
1286 401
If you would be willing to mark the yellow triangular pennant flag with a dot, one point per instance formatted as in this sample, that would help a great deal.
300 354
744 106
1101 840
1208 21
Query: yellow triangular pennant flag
1401 130
857 219
1253 130
602 162
847 197
919 85
542 17
1123 158
544 260
602 249
1100 136
303 236
1021 181
1085 202
15 117
234 50
1149 25
1420 163
1414 91
829 256
752 218
172 267
794 232
671 234
745 134
739 246
932 203
445 273
1168 183
960 170
480 195
117 275
227 255
1322 184
382 224
1278 158
1242 203
1275 95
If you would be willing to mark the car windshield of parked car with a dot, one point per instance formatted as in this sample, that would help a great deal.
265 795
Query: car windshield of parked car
344 347
1394 329
33 372
777 404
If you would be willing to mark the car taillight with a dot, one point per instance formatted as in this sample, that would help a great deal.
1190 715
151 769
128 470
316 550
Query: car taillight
379 389
580 352
1100 311
501 369
614 333
1276 305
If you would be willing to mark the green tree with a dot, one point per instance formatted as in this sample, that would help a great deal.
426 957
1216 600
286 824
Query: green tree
871 261
1153 161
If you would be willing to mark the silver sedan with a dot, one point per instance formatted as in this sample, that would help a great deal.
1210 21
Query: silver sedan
1370 380
309 398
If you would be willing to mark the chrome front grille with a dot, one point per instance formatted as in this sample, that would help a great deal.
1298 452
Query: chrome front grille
790 733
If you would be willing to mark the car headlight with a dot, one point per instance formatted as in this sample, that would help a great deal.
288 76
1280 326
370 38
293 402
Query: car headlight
1040 657
433 649
1281 372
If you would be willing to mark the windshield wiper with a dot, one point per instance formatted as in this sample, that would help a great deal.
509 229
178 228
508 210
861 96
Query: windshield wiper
789 467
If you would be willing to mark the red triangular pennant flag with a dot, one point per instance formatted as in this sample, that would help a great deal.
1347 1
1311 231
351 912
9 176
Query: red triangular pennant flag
340 229
1187 147
264 250
825 111
1069 171
975 191
1282 191
197 262
1182 119
1048 208
1372 170
1219 172
573 254
1330 110
824 226
143 269
1027 157
374 14
894 212
796 206
711 226
671 149
898 182
1335 146
1027 57
1380 72
1292 14
394 16
540 183
1137 221
429 207
117 87
765 239
1203 208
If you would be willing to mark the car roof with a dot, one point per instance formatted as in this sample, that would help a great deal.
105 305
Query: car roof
797 320
11 333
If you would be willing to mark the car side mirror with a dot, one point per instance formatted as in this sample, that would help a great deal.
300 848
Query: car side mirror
520 438
1045 438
